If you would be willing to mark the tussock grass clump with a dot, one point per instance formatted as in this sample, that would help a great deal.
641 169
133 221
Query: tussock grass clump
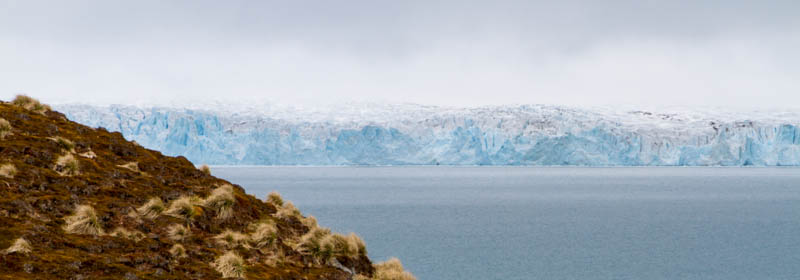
315 243
184 208
221 201
132 166
230 239
178 251
275 198
67 165
322 245
89 155
121 232
356 241
310 222
354 246
178 232
350 246
287 211
83 221
338 244
392 270
20 246
8 170
64 143
264 235
152 208
275 258
30 104
230 265
5 128
205 169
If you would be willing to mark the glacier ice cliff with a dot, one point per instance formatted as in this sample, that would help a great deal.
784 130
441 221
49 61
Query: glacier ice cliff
422 135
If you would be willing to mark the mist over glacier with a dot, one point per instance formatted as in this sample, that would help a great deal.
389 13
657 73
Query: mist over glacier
407 134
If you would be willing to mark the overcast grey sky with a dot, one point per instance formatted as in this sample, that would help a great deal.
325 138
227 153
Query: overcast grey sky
462 53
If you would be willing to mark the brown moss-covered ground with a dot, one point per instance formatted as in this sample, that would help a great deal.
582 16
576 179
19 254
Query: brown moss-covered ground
35 201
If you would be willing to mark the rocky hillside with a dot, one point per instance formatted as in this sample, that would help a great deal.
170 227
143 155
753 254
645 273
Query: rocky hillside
84 203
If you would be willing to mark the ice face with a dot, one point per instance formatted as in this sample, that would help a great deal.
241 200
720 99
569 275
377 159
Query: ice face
421 135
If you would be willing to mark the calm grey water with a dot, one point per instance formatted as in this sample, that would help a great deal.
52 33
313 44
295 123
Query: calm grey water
555 223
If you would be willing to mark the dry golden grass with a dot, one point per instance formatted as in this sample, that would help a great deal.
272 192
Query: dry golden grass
205 169
152 208
231 239
121 232
31 104
178 251
317 244
67 165
358 242
230 265
64 143
392 270
275 198
350 246
264 235
337 244
221 200
5 128
8 170
20 246
310 222
275 258
185 207
132 166
287 211
83 221
355 246
178 232
89 155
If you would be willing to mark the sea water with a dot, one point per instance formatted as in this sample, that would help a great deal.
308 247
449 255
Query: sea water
555 223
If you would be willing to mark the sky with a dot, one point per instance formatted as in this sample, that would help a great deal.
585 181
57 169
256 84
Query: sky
450 53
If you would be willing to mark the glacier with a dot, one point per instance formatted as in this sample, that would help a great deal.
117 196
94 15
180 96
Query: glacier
409 134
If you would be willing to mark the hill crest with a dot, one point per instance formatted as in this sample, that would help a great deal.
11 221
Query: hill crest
84 203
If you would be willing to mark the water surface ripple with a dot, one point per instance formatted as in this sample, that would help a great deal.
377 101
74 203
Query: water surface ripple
555 223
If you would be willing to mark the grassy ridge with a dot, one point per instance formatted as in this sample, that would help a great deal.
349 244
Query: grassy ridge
84 203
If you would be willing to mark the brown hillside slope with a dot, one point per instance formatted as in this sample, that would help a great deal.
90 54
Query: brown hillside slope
84 203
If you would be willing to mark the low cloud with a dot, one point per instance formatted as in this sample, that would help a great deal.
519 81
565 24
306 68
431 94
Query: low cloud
686 53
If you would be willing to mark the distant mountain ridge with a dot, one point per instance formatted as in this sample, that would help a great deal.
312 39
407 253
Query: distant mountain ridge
407 134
